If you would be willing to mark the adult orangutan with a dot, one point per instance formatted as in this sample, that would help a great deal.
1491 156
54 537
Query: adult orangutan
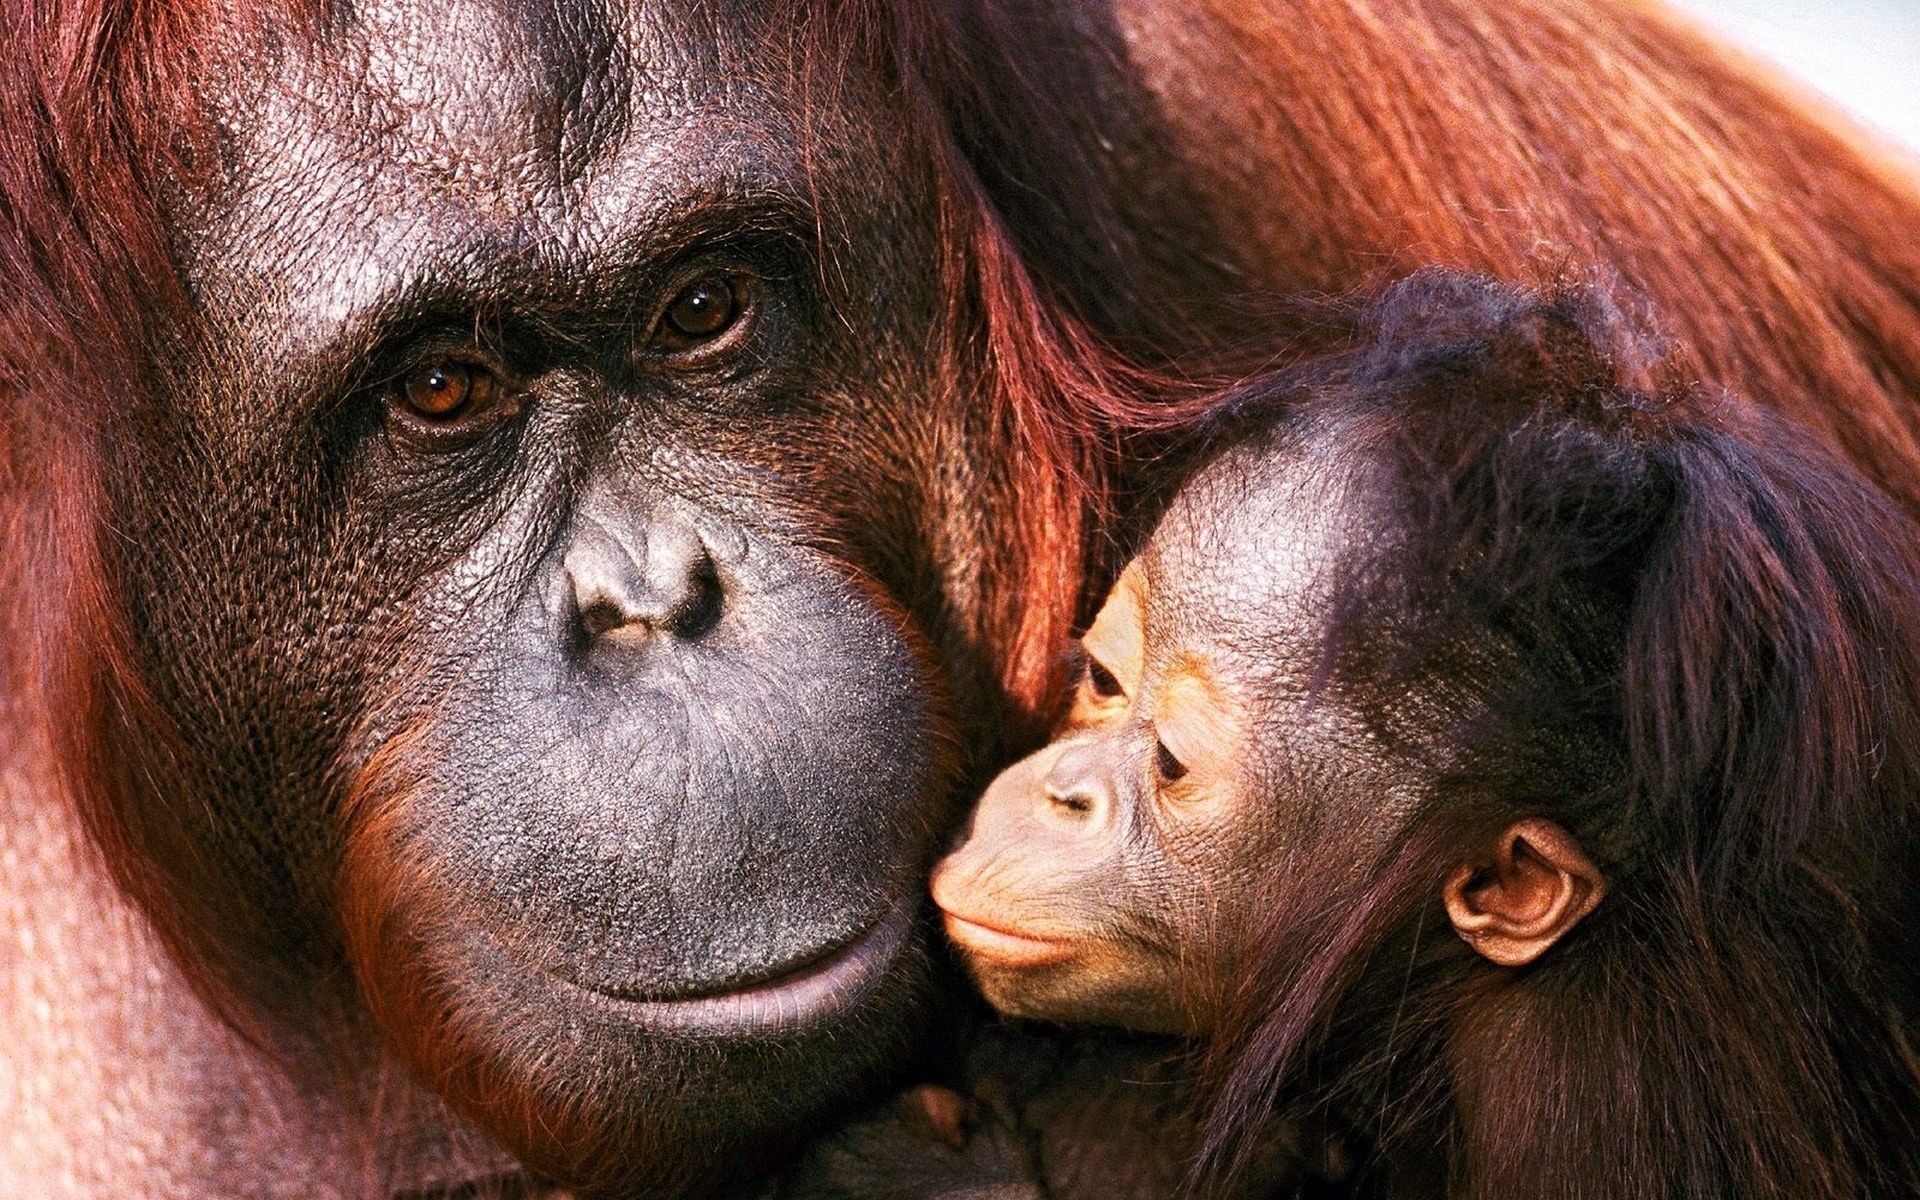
514 514
500 509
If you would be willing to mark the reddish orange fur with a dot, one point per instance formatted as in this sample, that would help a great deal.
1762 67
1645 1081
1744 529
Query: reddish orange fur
87 93
1307 146
1715 697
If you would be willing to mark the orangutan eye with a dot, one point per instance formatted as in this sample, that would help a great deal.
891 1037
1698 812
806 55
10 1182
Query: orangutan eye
701 313
1165 765
1100 681
450 396
444 391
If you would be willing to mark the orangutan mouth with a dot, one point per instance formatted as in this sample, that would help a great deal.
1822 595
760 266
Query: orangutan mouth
796 997
1003 947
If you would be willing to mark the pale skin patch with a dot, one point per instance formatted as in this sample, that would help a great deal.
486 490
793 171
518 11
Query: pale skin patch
1115 646
1200 728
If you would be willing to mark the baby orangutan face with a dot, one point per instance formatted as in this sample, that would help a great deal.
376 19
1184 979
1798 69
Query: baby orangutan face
1204 782
1103 869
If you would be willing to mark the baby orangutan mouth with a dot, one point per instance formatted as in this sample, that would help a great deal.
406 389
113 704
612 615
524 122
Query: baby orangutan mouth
984 940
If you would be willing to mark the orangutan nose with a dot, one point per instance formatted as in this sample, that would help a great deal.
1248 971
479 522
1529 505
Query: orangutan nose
653 577
1078 789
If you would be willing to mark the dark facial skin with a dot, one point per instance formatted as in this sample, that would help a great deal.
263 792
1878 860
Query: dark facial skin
1111 878
563 655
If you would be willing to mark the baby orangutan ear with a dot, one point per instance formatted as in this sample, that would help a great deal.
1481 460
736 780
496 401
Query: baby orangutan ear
1536 886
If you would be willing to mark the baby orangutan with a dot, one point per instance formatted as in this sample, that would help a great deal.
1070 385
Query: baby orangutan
1506 757
1215 756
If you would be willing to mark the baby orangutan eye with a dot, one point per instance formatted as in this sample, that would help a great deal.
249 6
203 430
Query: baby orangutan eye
1168 768
1100 681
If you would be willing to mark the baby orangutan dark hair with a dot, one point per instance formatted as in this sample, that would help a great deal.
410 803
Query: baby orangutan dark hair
1650 657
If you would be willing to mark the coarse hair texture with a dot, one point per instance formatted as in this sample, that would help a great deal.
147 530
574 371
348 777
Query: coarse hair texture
103 137
96 108
98 114
1166 168
1674 623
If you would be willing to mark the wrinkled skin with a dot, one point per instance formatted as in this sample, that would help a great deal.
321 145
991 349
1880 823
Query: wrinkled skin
599 640
1117 876
1409 656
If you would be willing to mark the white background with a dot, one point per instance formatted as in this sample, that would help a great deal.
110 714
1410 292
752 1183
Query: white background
1863 53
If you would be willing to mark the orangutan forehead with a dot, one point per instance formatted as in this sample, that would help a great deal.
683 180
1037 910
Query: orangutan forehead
495 107
1247 547
552 144
421 77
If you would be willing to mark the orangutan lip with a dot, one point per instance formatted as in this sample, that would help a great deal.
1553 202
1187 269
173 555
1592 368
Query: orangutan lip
1003 947
818 988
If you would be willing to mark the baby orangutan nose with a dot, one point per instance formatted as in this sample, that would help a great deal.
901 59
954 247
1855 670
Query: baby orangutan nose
986 892
649 577
1078 791
1040 896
